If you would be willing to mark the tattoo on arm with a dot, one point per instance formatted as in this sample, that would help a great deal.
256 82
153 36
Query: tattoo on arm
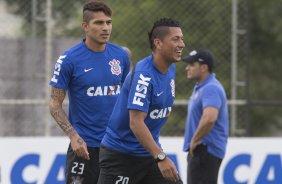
58 113
80 141
58 94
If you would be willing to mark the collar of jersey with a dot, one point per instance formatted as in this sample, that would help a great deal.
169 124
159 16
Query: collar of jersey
209 78
154 65
83 42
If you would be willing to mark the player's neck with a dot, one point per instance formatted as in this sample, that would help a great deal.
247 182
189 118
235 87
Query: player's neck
95 46
160 63
203 77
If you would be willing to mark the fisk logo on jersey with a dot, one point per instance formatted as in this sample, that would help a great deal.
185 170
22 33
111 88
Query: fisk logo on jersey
141 90
103 90
115 67
57 69
160 113
172 84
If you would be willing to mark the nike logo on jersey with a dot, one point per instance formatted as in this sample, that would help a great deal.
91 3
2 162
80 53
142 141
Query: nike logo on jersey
159 94
87 70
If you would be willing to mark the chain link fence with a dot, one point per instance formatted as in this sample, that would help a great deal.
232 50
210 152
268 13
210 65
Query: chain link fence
35 32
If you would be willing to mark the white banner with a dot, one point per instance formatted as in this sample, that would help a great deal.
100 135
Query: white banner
37 160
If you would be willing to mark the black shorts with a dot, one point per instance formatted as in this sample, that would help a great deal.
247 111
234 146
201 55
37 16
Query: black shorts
203 167
120 168
81 170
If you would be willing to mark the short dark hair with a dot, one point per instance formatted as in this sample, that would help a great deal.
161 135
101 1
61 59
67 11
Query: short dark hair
160 29
95 6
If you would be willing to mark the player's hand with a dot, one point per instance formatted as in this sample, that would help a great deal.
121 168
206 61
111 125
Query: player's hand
79 147
193 146
168 170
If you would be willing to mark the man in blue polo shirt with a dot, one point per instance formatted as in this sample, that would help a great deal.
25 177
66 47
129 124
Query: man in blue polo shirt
130 151
207 121
92 73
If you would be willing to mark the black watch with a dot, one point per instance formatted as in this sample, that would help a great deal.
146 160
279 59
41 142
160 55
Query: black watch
160 157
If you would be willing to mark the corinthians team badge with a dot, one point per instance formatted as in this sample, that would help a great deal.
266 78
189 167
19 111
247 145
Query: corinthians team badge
115 67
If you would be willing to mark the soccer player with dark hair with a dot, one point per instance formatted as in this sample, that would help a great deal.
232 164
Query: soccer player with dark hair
130 151
92 72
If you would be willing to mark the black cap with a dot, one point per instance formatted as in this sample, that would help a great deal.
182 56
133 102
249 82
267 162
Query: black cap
203 56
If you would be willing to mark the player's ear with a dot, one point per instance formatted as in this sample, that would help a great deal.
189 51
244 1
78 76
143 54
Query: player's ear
157 42
84 26
204 67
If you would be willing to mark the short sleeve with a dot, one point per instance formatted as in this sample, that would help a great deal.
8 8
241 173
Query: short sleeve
211 97
62 73
140 92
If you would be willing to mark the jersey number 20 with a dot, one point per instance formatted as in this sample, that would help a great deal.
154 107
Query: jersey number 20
122 180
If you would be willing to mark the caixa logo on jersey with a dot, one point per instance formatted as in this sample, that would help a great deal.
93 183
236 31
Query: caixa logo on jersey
244 169
160 113
103 90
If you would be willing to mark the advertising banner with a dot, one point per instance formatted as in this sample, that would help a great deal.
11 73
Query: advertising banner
40 160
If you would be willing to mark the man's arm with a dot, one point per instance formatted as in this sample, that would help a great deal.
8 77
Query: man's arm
206 124
55 105
143 134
